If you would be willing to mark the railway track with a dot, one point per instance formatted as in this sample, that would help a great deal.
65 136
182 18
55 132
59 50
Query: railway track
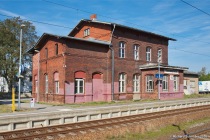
59 131
203 134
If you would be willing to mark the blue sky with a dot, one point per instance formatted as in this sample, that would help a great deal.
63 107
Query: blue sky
172 18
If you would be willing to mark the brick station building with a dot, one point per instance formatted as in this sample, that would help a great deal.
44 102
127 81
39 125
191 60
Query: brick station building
102 61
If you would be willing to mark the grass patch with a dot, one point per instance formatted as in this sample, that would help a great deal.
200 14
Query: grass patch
196 96
167 131
5 109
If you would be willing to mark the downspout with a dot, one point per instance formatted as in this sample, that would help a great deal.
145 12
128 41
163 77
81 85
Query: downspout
112 50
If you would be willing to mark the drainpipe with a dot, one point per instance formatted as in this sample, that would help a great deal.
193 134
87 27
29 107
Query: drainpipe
112 50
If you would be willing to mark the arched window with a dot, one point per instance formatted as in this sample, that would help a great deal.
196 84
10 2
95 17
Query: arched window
122 82
56 49
122 49
136 83
148 54
46 83
46 53
36 83
136 51
56 81
79 82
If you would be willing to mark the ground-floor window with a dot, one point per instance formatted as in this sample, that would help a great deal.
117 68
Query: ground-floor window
176 83
136 83
165 83
122 82
46 83
79 86
56 87
36 86
149 83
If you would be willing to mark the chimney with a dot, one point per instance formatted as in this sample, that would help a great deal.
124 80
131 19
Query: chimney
93 17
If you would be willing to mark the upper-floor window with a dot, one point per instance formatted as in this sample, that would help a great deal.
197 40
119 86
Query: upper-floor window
122 49
136 83
165 83
87 32
149 83
148 54
46 53
122 82
56 49
159 55
136 52
176 83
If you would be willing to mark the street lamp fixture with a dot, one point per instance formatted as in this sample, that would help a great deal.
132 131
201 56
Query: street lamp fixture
20 76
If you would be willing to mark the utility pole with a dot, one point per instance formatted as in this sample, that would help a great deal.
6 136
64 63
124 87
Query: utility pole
20 76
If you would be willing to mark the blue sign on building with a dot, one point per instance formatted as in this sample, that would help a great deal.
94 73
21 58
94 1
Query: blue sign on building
157 76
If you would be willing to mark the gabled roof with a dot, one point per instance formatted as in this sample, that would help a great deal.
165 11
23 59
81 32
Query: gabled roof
117 25
46 35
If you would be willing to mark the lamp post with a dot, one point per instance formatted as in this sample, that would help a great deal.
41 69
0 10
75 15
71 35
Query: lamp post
20 76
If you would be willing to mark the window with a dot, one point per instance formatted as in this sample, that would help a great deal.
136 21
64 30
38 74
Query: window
192 83
149 83
56 49
36 86
56 81
46 53
79 77
79 86
159 55
122 49
148 54
87 32
56 87
46 83
176 83
136 52
165 83
122 82
136 83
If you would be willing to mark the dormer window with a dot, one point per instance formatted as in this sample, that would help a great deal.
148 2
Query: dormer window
87 32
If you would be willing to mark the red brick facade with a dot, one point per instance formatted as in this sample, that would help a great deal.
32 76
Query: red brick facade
83 63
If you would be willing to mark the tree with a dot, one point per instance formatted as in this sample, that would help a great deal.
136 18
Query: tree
9 46
203 75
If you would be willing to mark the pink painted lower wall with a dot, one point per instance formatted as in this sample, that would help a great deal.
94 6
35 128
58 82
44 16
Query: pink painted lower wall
96 91
174 95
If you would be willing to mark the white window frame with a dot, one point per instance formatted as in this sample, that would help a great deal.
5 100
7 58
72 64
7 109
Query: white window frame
46 83
136 52
136 83
148 54
87 32
149 83
192 83
176 83
122 49
78 86
165 83
159 55
122 82
56 87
